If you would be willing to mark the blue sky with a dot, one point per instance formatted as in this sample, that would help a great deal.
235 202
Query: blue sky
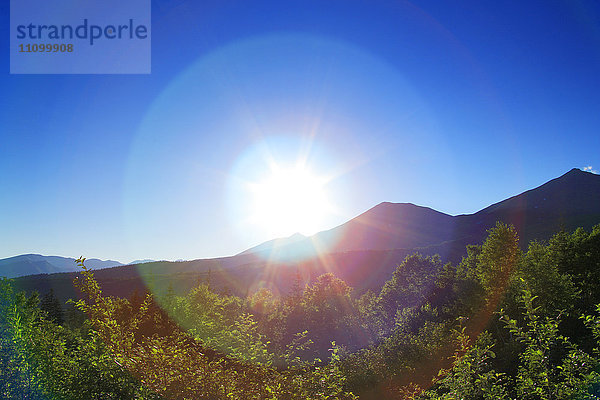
449 106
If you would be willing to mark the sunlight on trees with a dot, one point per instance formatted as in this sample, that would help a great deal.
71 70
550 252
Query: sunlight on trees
502 324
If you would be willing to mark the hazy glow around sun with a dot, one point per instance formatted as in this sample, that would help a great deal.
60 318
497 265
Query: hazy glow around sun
290 200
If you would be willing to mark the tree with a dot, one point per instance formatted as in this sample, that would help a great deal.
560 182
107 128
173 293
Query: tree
540 273
551 365
578 255
471 376
324 307
497 260
411 284
52 307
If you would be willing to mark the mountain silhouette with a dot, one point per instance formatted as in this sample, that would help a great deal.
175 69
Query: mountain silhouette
567 202
363 251
30 264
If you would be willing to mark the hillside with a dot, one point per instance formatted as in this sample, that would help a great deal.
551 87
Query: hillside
567 202
365 250
31 264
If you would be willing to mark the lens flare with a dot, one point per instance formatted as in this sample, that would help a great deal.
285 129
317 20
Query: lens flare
290 200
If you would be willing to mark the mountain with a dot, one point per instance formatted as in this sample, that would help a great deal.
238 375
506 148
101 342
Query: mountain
146 260
363 251
30 264
386 226
567 202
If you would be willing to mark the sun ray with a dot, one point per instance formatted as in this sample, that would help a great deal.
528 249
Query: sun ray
290 200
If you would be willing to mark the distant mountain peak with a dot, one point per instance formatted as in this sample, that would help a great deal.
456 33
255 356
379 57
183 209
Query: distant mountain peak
31 264
570 200
571 181
582 171
387 207
573 171
577 172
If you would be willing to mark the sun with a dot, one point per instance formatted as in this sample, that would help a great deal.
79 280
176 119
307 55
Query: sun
290 200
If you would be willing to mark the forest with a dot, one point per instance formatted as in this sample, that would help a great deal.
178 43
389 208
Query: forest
509 321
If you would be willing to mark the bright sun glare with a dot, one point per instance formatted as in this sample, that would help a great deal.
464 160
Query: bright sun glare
290 200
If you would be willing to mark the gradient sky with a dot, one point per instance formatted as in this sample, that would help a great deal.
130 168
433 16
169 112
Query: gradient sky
450 105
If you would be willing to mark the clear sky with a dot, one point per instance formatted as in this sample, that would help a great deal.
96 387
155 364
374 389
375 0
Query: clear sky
450 105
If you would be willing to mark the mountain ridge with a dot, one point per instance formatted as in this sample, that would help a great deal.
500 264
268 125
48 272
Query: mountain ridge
569 200
399 229
32 263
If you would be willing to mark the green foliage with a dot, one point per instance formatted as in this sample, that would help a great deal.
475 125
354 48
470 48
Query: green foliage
471 376
51 306
552 367
497 260
593 323
178 366
411 283
41 360
431 332
541 275
578 256
326 309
